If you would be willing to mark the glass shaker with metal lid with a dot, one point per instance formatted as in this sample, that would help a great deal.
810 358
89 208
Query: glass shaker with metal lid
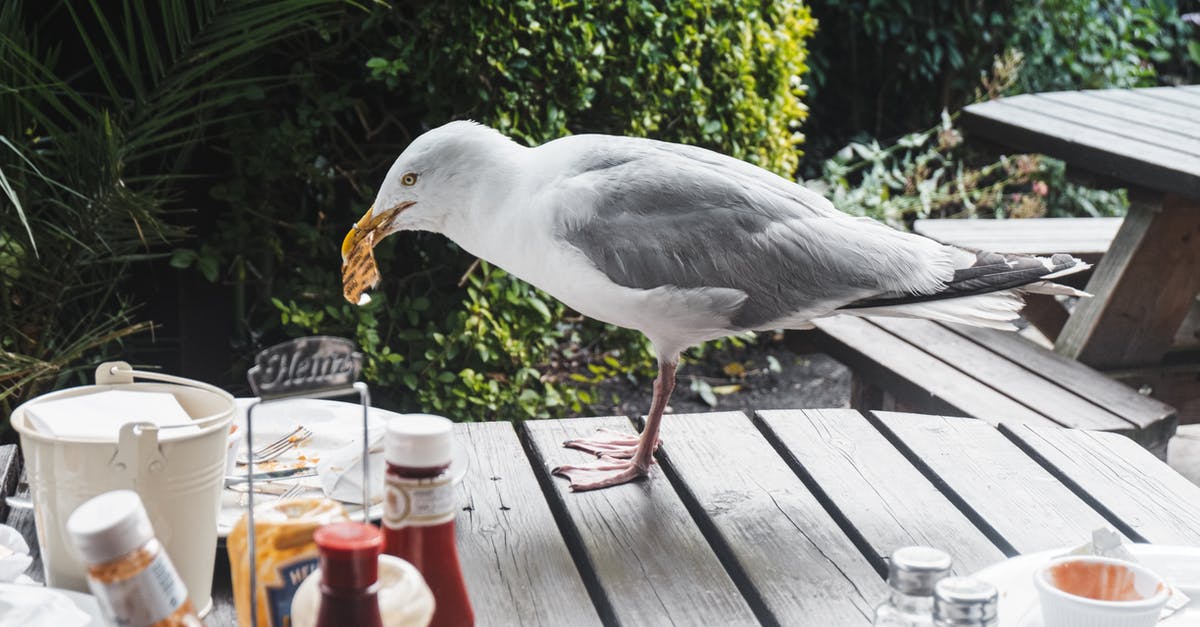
965 602
912 573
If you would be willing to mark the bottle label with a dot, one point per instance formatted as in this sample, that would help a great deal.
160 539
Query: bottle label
280 592
143 599
418 502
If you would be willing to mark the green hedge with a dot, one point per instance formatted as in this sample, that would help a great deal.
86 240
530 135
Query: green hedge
723 75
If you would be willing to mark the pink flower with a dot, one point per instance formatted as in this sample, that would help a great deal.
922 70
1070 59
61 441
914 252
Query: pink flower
1040 188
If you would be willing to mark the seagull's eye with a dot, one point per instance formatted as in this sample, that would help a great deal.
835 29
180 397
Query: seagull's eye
408 180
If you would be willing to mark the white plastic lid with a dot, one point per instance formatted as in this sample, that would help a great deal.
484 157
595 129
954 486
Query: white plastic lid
419 441
109 526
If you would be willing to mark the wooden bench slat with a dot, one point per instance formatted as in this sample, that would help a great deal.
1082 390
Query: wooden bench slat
1155 502
1090 149
913 375
507 534
641 543
777 532
1026 506
1188 99
1129 128
1041 394
886 499
1028 236
1097 141
1145 412
1091 101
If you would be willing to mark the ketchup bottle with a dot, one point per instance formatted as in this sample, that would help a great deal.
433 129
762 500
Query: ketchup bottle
349 565
418 515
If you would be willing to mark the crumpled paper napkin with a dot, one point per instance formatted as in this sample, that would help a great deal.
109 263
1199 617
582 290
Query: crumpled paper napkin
341 475
14 556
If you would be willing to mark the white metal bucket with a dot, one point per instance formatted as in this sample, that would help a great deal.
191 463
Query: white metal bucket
179 478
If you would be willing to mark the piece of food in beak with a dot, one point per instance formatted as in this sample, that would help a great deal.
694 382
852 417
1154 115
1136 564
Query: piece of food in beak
359 272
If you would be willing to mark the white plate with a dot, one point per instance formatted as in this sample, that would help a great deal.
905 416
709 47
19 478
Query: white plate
1019 606
86 603
334 424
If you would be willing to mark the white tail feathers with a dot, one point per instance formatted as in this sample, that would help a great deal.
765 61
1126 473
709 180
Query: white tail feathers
996 310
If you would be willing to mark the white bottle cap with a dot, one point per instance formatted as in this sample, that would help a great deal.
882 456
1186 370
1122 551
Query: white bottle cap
419 441
109 526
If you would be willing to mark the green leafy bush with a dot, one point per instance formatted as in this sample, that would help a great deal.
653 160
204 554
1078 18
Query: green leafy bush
931 174
439 336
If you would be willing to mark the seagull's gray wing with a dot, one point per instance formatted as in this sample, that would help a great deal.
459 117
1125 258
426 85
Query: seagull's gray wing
667 215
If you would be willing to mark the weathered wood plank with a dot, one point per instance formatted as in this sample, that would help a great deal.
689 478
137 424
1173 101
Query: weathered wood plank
1156 421
1089 149
1041 394
1004 489
1091 101
650 561
913 376
879 492
1139 98
1155 503
1142 289
777 532
1028 236
515 561
1130 128
10 470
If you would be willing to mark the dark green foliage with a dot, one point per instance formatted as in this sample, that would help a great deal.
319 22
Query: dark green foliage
881 68
305 166
101 107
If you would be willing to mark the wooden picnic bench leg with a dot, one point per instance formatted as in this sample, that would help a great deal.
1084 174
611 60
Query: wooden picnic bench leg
1141 289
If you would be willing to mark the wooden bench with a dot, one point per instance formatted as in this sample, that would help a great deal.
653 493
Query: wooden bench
932 367
1086 238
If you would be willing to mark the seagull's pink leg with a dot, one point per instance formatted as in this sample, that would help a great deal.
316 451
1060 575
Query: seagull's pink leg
611 469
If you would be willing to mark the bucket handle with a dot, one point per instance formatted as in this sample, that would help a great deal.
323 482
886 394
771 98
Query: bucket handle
138 453
120 372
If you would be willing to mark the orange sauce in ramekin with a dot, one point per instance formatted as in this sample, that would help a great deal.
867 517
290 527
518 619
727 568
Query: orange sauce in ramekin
1092 580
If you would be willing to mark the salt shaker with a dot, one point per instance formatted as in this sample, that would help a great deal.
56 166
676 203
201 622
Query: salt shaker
965 602
912 573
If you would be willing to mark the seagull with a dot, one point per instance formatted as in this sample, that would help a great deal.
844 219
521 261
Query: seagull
678 242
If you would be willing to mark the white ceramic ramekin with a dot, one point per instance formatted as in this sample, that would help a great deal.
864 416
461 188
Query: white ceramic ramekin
1063 609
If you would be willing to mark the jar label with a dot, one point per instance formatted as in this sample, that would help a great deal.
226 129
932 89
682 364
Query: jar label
145 598
417 502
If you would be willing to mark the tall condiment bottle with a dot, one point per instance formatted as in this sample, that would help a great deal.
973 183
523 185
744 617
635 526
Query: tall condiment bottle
913 572
418 516
129 573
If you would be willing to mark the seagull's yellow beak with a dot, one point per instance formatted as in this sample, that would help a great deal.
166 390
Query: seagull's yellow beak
356 233
358 259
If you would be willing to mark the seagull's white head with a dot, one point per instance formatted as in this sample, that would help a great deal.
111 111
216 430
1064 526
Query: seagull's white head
447 170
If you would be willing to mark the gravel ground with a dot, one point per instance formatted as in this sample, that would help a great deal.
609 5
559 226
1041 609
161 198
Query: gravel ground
801 382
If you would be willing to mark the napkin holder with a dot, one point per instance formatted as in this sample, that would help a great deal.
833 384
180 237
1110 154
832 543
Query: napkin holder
307 367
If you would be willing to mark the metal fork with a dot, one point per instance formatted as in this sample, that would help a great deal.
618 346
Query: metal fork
295 490
271 450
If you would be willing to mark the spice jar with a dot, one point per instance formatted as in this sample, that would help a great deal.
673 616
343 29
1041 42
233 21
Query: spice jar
129 573
418 515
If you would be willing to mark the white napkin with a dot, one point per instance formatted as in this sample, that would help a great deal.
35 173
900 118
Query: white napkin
35 605
14 555
340 471
99 416
1107 543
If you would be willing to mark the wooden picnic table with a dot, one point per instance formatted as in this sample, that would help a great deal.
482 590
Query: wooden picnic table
1149 140
783 518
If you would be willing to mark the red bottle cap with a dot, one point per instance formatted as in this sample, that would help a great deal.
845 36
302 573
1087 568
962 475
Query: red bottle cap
349 554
